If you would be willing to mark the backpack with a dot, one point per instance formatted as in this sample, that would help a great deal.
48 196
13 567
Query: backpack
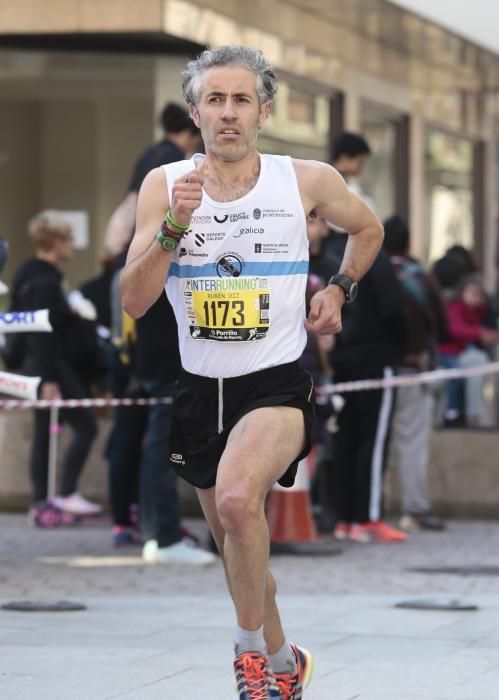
420 314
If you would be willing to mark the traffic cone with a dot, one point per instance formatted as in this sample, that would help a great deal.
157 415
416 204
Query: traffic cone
289 516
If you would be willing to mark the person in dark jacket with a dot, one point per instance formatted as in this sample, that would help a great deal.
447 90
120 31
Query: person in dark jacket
38 284
370 346
181 136
139 448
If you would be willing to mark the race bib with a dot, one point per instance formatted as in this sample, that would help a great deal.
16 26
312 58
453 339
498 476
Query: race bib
228 308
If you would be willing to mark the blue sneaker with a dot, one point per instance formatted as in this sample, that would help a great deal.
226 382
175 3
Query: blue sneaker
254 677
123 536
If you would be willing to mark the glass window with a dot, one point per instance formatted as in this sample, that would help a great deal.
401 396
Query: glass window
448 193
378 178
298 124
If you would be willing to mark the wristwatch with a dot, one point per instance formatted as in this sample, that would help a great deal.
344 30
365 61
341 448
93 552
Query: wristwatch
168 242
350 287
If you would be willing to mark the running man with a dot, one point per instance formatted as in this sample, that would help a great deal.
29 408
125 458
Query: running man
226 233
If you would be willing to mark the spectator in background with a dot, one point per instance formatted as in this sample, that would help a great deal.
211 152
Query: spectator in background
449 270
323 260
468 339
98 291
139 448
350 154
181 137
412 417
64 359
370 346
316 359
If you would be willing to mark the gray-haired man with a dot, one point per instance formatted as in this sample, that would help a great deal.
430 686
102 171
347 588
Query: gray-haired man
232 248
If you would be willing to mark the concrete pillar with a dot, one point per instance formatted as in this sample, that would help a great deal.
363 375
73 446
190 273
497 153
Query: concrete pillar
352 111
416 185
491 228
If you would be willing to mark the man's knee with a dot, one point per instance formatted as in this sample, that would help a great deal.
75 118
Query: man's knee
238 509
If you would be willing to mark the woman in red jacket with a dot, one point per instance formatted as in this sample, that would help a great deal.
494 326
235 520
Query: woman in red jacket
468 336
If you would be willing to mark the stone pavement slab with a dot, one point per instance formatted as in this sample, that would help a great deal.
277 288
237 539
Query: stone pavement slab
179 648
165 633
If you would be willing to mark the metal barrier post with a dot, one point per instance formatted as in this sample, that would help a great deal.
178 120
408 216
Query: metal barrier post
54 430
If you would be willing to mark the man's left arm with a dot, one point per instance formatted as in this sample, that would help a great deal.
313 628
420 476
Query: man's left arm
323 189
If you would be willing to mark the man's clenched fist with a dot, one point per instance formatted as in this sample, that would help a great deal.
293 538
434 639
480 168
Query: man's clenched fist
187 195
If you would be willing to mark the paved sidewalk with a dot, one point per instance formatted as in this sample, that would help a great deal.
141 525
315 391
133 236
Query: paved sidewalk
153 632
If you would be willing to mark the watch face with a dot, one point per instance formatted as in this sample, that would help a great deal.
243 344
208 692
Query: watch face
169 243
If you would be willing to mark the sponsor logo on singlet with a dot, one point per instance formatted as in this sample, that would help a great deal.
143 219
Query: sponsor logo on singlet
272 248
249 230
229 264
233 218
272 214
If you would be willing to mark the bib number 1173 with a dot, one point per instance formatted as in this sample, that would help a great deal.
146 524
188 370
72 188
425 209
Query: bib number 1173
222 313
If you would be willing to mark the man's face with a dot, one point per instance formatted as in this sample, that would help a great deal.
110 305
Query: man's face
229 113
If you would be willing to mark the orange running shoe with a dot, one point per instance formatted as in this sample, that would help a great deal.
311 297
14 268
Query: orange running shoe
360 532
382 532
254 678
291 685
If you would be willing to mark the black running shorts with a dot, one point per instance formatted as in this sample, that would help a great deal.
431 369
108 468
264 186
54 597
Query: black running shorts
205 411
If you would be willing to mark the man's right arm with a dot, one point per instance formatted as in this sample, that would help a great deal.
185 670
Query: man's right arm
144 275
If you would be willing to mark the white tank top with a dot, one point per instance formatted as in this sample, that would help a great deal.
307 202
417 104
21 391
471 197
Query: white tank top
237 280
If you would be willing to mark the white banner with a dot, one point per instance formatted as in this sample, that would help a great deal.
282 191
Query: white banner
19 386
25 321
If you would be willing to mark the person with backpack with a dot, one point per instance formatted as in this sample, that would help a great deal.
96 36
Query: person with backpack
64 359
412 418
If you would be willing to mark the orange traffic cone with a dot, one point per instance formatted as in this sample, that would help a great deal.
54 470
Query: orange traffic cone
289 515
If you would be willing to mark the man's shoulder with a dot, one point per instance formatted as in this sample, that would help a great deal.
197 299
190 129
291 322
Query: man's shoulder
310 166
314 175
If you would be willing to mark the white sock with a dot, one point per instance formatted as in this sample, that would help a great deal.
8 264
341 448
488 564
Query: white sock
284 660
249 640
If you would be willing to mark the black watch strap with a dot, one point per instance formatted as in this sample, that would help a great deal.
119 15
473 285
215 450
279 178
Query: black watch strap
347 284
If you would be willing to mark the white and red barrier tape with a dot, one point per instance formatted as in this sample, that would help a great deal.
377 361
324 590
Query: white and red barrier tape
340 388
17 405
436 375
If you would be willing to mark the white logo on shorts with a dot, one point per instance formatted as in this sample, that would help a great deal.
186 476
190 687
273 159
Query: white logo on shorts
178 459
